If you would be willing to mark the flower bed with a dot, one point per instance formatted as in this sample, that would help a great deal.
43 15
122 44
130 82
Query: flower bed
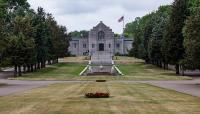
97 95
100 80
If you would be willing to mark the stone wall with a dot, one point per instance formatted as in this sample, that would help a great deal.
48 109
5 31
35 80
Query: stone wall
80 46
108 39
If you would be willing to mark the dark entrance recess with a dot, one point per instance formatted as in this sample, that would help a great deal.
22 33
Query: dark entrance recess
101 47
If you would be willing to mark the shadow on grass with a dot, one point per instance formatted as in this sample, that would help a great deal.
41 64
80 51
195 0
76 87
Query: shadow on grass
57 70
2 84
169 74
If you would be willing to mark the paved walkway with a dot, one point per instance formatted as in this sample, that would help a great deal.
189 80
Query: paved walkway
191 87
188 87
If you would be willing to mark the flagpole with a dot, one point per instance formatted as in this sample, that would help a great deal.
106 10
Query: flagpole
123 36
123 26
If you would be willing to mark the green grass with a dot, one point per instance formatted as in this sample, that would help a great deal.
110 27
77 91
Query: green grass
141 71
57 71
125 99
70 71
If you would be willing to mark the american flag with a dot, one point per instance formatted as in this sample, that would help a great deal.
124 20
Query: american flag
121 19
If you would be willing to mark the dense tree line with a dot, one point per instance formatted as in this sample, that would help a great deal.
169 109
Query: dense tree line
170 35
29 39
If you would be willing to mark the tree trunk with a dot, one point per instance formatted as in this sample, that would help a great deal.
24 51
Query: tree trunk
38 65
182 71
49 62
165 66
31 67
35 66
161 64
177 69
44 64
57 60
15 71
146 61
19 69
24 68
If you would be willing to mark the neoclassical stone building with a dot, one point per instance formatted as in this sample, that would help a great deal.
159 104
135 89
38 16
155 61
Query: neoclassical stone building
101 39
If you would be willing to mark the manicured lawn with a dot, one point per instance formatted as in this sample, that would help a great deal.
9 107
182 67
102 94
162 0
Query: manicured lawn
125 98
134 69
70 71
141 71
58 71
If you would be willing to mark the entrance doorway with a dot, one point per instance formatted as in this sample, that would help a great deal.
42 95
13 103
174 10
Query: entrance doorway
101 47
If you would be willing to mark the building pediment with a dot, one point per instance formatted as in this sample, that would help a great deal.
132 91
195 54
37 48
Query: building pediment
101 27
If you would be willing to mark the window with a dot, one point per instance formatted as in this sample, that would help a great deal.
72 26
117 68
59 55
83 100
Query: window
84 45
93 45
118 45
101 35
75 45
109 45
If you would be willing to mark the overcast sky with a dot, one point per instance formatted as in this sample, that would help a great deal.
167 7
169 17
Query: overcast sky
84 14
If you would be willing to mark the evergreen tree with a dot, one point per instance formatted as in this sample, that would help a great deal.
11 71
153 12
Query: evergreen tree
192 42
155 44
174 35
28 38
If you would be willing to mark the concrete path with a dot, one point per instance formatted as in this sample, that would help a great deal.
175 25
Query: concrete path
191 87
188 87
14 86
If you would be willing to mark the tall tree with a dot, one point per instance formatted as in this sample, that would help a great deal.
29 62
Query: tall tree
192 38
155 44
192 42
28 38
174 34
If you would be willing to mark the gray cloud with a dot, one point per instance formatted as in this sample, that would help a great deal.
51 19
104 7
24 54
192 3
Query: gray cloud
84 14
88 6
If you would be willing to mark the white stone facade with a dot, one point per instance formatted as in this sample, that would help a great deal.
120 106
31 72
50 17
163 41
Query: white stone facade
101 38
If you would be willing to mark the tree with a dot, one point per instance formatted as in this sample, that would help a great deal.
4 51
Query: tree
156 42
193 7
192 42
133 30
3 43
28 38
79 34
146 36
174 35
19 49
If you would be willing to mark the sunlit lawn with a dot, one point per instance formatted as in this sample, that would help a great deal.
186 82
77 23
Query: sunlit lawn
134 69
125 99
